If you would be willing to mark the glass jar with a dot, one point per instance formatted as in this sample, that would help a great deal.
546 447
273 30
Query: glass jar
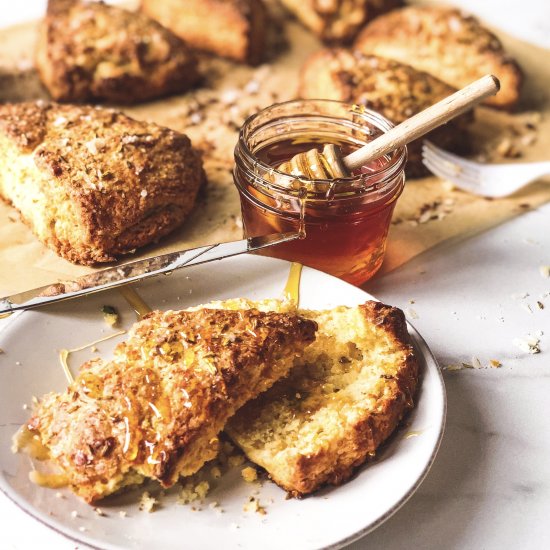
346 220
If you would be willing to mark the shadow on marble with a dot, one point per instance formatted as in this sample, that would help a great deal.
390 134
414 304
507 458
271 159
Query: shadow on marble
445 505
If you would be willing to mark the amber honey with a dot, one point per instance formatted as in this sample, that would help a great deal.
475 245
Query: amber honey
346 221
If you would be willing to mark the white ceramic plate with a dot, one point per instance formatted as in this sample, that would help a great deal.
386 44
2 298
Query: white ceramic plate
331 518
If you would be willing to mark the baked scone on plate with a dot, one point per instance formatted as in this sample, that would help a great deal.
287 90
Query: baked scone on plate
337 20
155 410
352 387
235 29
442 41
93 183
395 90
90 51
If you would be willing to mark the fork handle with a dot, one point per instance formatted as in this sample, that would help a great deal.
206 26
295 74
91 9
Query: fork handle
423 122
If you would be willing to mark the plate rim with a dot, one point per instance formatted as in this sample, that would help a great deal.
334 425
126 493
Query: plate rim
424 351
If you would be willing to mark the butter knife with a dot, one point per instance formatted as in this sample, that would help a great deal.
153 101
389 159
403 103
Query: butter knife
135 271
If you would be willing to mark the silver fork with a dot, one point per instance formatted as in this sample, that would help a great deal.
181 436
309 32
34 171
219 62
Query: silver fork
487 180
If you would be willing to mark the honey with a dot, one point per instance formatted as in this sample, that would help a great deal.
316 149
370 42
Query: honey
344 222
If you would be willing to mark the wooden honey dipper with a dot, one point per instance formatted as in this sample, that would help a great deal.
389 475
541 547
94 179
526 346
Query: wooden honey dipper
329 163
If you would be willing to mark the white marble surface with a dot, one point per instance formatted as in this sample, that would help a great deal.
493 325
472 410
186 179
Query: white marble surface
490 485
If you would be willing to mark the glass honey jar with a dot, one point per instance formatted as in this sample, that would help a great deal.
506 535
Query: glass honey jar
345 221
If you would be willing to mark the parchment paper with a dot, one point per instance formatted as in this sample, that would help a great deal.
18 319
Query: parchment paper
428 213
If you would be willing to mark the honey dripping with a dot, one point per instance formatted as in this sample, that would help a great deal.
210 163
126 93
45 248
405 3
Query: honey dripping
292 288
135 301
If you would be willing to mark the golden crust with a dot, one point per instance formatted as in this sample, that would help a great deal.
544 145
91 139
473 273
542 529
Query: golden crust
337 21
446 43
394 89
229 28
156 408
93 183
338 406
96 52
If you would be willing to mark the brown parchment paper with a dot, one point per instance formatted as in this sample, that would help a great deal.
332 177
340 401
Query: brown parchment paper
429 211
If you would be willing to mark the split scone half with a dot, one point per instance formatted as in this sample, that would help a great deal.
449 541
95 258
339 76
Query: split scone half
92 183
235 29
395 90
89 51
337 21
155 409
351 389
446 43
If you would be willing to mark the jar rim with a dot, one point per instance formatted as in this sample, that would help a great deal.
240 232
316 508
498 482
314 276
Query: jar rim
385 174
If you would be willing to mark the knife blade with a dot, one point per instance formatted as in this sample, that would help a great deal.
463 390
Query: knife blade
137 270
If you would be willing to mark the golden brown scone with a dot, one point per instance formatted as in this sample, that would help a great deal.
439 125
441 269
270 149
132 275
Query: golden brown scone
352 387
96 52
446 43
93 183
337 20
395 90
229 28
155 410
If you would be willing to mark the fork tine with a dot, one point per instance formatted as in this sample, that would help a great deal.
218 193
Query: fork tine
463 183
449 156
458 170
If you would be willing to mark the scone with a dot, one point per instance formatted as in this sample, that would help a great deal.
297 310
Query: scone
90 51
155 409
92 183
354 384
445 43
337 20
395 90
229 28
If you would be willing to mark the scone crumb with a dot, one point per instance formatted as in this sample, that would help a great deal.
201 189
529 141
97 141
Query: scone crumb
122 513
192 492
253 505
74 514
147 503
544 271
528 345
236 460
99 512
495 363
249 474
110 315
215 472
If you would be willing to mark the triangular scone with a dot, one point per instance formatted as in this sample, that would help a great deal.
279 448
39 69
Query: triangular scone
155 410
93 183
236 29
446 43
337 21
90 51
393 89
351 389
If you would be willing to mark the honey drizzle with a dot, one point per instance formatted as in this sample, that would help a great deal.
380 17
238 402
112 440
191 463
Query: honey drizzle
413 433
292 287
135 301
64 353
